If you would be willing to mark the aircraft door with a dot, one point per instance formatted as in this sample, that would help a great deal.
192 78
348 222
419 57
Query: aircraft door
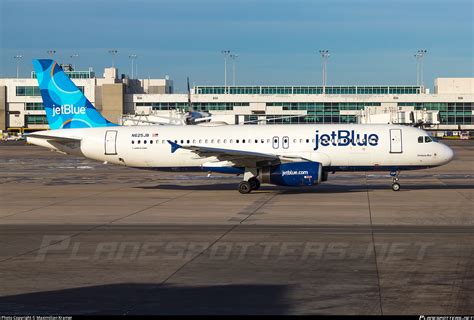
396 141
111 142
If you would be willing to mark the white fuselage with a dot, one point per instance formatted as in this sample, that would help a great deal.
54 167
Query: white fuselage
337 147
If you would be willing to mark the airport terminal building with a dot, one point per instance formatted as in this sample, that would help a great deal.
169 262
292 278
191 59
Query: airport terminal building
449 108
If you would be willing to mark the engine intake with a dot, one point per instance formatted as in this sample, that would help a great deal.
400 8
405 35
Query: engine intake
292 174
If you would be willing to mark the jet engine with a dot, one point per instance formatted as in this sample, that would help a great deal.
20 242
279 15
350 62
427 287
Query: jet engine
292 174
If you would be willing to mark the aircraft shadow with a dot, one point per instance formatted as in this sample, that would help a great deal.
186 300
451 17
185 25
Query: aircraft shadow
323 188
135 298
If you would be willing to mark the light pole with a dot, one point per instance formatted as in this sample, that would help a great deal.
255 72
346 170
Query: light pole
324 55
226 53
419 55
18 58
132 58
233 57
51 53
113 52
73 57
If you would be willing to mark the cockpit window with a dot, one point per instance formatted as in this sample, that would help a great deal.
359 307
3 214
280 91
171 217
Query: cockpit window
428 139
420 139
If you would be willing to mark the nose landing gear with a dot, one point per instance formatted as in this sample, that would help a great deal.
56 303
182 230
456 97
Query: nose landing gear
395 184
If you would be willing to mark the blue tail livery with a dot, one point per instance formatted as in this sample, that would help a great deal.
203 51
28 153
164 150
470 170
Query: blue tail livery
65 105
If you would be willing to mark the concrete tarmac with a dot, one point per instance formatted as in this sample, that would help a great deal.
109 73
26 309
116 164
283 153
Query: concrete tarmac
81 237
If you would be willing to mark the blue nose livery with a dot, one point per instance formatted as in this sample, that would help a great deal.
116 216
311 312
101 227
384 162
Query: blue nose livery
65 105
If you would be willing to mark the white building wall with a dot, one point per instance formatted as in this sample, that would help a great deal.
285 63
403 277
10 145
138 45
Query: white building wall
454 85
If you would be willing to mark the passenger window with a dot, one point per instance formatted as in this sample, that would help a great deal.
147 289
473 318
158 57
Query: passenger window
182 141
218 140
307 140
230 141
237 141
420 139
301 140
205 141
428 139
256 140
243 140
138 141
133 142
194 140
262 141
144 141
200 140
225 140
151 141
212 140
187 141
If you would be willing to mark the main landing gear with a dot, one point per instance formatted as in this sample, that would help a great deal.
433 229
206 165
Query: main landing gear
254 183
247 186
395 184
250 181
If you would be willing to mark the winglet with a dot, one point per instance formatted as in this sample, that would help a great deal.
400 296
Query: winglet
174 146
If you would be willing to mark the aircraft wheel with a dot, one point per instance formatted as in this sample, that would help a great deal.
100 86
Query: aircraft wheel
395 186
245 187
254 183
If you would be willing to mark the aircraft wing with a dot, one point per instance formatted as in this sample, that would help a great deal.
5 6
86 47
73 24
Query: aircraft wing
238 157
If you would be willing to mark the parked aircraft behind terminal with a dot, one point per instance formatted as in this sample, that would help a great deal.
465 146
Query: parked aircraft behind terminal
286 155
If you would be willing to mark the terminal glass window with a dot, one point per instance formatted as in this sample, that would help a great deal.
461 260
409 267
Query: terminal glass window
307 89
23 91
36 119
31 106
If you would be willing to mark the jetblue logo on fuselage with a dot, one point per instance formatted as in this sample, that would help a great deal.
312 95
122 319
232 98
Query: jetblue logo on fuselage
344 138
68 109
293 172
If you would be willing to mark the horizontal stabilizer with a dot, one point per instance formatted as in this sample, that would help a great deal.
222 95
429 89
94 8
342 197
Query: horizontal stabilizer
51 138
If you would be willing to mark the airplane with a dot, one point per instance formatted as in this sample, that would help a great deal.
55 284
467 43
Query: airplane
283 155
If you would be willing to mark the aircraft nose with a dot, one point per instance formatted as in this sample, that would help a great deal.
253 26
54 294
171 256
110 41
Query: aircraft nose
448 153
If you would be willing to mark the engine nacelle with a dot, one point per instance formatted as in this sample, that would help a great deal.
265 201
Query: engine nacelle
292 174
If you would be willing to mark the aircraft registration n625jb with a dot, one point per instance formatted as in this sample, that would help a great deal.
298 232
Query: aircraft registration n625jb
286 155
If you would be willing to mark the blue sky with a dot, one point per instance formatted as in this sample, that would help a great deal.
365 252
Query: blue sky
370 41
